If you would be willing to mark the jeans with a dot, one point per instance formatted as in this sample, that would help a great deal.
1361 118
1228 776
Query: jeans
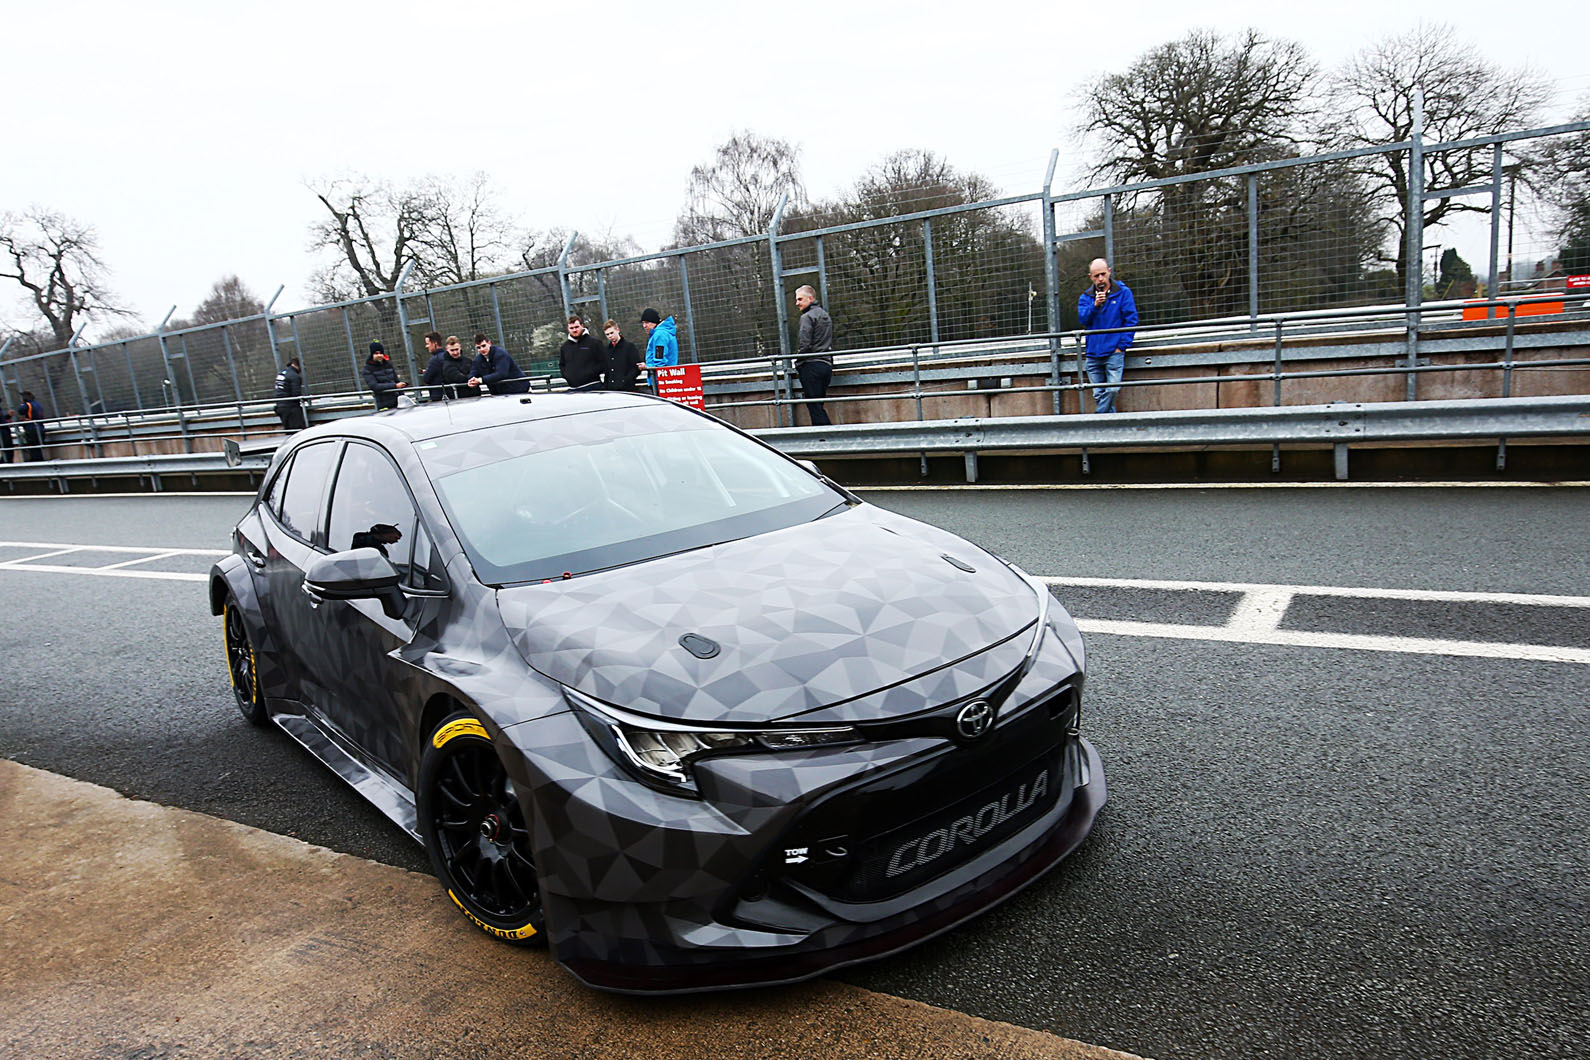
814 376
1106 369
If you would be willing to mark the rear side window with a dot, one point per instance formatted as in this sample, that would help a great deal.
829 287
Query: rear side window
306 485
273 500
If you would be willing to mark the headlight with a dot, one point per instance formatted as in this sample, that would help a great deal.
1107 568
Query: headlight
661 751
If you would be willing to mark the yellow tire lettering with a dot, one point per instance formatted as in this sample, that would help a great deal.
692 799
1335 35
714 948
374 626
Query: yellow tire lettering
461 727
502 933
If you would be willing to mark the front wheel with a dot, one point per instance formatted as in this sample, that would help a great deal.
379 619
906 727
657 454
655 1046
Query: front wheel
242 666
475 833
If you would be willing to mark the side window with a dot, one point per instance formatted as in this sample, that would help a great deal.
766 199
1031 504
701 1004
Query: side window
427 572
306 484
273 500
370 507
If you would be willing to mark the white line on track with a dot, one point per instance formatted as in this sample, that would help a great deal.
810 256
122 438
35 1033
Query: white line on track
1255 619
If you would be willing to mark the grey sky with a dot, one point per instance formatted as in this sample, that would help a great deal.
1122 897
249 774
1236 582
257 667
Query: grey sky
185 131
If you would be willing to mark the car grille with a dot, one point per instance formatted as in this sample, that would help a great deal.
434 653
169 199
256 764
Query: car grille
898 860
884 839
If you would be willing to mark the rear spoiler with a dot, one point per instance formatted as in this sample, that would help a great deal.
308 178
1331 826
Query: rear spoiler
255 451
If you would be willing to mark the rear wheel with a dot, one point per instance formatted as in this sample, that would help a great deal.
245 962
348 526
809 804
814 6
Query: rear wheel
476 835
242 666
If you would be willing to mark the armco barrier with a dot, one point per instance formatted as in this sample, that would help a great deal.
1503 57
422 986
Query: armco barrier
1339 425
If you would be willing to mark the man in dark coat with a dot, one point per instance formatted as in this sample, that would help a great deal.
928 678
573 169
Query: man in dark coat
381 377
449 368
5 435
495 370
814 359
289 387
581 358
31 428
623 360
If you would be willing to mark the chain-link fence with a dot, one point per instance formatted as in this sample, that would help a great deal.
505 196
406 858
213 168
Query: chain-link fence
1285 236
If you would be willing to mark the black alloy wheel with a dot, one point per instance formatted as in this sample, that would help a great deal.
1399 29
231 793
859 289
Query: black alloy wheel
476 835
242 666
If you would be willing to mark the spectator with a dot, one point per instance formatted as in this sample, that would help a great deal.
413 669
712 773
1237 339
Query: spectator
624 363
31 430
494 369
662 343
449 369
581 357
1106 304
814 361
381 377
5 435
289 389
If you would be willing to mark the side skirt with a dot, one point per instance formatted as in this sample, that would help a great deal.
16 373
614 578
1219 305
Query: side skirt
382 791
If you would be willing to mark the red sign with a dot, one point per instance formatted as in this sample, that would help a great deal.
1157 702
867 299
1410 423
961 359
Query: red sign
681 383
1578 283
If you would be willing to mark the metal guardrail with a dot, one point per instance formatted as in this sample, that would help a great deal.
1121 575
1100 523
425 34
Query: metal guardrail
1338 425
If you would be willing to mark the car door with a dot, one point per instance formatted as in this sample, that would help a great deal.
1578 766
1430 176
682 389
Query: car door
358 655
295 535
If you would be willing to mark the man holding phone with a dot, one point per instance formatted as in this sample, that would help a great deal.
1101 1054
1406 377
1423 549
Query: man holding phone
1106 304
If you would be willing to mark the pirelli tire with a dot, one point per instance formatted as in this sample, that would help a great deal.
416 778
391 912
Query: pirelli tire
242 664
476 834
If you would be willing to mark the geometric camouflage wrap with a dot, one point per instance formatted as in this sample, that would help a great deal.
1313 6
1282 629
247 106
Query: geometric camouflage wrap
948 683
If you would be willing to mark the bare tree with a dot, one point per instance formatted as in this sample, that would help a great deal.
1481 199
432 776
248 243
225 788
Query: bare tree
1197 104
1562 169
1464 96
462 234
56 261
736 193
374 228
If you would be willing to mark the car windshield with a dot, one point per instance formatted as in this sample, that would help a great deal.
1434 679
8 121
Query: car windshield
575 494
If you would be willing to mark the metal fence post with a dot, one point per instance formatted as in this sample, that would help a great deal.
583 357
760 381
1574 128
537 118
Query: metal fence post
403 326
353 351
1109 229
822 272
690 313
231 361
77 373
1496 228
270 330
1051 279
5 391
778 282
165 359
563 275
1414 252
932 285
1253 249
496 313
132 376
1275 449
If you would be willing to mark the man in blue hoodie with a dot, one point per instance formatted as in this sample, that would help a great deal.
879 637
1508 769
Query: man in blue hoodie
662 340
1106 304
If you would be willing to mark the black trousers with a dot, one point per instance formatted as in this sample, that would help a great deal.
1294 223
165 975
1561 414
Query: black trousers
291 413
32 439
815 377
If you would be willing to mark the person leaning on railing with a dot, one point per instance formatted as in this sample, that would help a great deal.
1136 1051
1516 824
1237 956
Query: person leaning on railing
30 428
1106 304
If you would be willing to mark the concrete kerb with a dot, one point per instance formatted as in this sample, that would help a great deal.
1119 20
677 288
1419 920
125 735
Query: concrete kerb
134 929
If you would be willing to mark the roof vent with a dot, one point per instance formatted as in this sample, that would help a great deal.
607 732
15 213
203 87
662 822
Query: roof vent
699 646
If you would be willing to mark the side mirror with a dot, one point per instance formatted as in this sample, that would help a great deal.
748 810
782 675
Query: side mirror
358 574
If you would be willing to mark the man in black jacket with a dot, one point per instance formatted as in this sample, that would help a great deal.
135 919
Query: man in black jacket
449 368
381 377
814 359
624 359
289 388
581 359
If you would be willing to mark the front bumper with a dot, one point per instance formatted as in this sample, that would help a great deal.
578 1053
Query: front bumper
795 864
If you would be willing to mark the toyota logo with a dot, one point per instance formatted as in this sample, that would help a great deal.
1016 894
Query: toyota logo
976 718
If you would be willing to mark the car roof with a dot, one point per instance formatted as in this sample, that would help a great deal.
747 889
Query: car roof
441 418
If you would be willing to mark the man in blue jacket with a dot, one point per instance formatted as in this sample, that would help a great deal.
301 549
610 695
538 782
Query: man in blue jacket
495 369
662 340
1106 304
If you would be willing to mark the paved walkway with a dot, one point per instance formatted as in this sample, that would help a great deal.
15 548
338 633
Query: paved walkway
132 930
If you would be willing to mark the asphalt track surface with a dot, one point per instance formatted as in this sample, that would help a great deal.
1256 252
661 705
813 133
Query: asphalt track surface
1340 824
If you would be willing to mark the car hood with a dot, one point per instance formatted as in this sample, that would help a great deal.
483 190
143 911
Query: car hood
801 619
